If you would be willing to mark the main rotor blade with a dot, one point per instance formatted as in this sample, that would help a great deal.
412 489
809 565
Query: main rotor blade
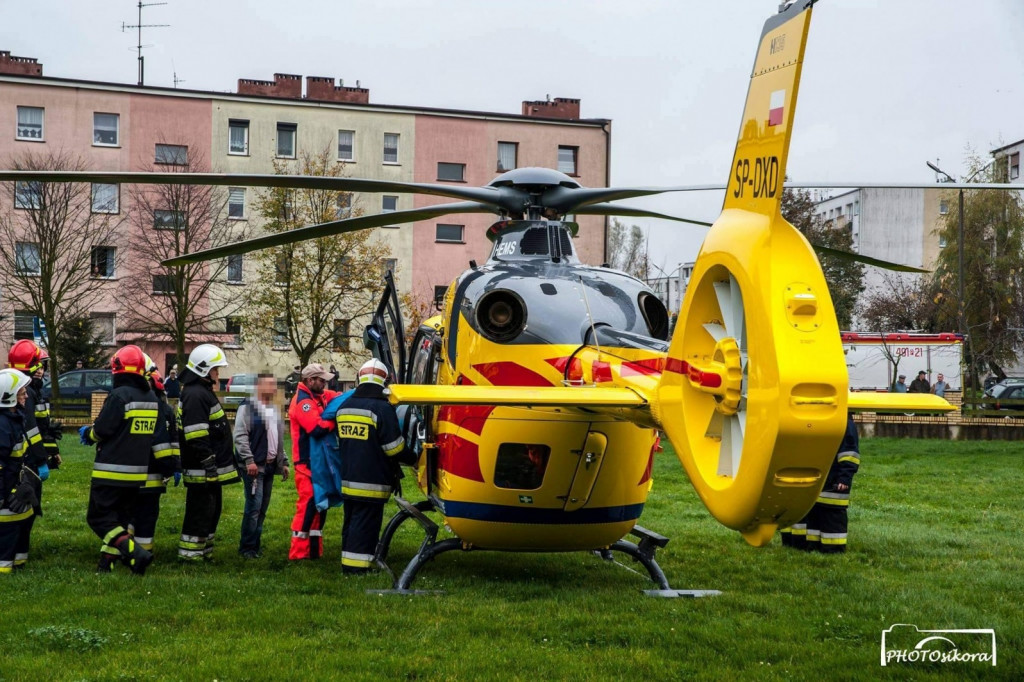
329 229
867 260
487 195
570 200
615 209
903 185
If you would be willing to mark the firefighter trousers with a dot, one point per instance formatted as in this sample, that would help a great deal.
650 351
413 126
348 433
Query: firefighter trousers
360 532
25 532
202 503
11 525
308 523
110 509
824 529
144 517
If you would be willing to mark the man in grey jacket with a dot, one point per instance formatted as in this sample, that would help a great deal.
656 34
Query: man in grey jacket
259 449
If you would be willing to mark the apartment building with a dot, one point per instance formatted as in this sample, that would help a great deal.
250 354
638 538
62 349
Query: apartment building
114 126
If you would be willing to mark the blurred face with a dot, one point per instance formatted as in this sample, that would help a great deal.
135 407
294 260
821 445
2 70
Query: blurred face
266 387
214 374
941 377
22 396
316 384
39 373
78 365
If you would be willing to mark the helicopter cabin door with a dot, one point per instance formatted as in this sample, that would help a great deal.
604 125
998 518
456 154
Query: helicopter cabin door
385 335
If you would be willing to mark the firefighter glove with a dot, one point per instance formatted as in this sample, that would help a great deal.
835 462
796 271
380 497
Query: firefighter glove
210 465
44 472
177 478
83 435
24 497
56 430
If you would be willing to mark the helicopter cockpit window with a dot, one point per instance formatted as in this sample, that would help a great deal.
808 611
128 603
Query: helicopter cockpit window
521 466
566 243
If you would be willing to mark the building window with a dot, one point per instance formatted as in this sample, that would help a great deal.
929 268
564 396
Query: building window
439 291
388 204
567 157
24 325
451 172
30 124
390 147
341 335
103 328
172 154
103 261
388 265
105 198
238 137
1014 165
233 326
282 268
235 268
346 145
449 233
942 242
163 285
280 337
344 206
286 133
943 207
856 207
507 153
236 203
28 194
105 130
169 220
26 258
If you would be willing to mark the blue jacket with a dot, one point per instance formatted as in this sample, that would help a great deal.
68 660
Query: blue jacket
325 459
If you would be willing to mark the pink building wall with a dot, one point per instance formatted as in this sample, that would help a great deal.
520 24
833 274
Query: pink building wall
474 142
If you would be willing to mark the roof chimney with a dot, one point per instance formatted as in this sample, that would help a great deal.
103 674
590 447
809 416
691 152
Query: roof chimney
19 66
561 107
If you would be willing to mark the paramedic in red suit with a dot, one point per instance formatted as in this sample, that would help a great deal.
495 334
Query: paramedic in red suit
304 416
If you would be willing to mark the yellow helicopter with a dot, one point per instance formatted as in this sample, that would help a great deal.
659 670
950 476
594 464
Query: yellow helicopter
540 389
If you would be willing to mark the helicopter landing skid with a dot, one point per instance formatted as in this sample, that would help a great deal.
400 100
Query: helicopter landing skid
643 552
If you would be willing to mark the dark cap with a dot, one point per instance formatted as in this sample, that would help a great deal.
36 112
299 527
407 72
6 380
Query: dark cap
903 376
920 373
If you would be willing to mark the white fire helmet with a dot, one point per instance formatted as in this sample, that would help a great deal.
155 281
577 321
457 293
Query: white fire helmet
373 372
11 381
205 357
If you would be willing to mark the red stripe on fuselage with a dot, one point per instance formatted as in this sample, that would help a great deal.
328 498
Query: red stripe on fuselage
648 367
459 457
510 374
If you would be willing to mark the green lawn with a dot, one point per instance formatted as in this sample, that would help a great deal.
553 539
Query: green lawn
935 541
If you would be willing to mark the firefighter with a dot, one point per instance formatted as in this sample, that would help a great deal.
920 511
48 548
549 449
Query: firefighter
207 458
304 416
370 443
26 357
824 528
50 430
164 464
124 432
17 487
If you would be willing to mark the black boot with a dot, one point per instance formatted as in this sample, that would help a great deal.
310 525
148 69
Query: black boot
133 555
106 564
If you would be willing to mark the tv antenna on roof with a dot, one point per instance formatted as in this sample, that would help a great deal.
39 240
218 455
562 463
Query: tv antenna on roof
141 26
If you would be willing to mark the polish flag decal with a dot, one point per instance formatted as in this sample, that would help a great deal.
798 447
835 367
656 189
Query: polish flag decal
775 107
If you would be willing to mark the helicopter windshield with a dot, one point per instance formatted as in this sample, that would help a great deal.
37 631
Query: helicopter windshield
535 240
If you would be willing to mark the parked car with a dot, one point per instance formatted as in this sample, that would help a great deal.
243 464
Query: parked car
1008 389
240 386
77 387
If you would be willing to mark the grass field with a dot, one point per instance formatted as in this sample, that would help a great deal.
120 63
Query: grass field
935 541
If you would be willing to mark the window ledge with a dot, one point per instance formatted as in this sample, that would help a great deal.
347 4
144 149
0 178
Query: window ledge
241 219
448 241
286 158
463 182
99 278
235 284
108 146
390 163
346 160
230 153
28 139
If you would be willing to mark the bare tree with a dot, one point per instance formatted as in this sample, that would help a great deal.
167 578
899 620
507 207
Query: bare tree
309 293
903 302
627 248
51 235
184 302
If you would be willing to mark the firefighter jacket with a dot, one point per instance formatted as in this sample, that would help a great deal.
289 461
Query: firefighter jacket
13 445
369 442
35 456
124 433
304 418
42 414
844 466
206 433
164 457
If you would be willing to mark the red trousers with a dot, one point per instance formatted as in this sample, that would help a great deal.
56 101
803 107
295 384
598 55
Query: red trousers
307 526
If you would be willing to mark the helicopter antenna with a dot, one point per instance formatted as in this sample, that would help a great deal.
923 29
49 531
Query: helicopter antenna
586 303
141 26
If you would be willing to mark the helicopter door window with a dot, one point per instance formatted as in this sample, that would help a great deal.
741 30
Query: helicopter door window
521 466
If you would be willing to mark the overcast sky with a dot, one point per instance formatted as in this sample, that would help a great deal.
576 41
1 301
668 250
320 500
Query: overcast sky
887 84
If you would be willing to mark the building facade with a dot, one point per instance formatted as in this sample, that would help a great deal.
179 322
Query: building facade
265 125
